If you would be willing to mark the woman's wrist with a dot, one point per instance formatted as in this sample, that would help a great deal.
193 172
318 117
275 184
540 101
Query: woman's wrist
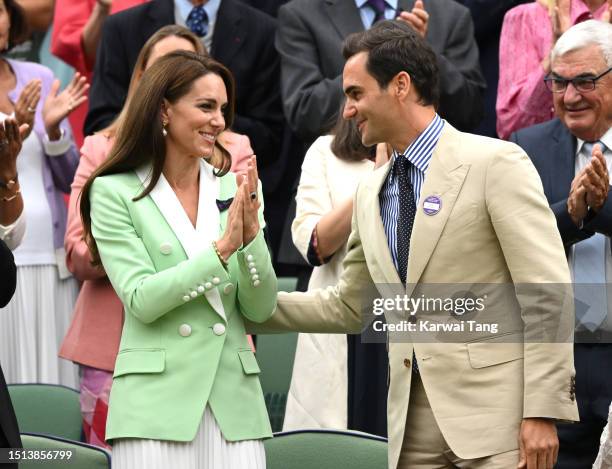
54 132
224 250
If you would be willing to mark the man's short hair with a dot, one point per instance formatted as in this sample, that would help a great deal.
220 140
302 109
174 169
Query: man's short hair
393 47
585 34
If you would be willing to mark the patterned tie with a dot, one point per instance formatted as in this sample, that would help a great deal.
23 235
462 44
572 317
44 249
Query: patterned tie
590 295
379 8
407 211
197 21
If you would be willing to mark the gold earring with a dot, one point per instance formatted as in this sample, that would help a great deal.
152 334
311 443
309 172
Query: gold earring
164 131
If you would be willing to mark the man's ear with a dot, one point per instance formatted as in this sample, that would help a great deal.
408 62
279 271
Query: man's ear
402 85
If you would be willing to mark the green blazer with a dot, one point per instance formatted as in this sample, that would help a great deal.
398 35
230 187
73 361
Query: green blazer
183 344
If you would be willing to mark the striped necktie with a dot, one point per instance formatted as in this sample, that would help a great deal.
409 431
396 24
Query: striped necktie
590 295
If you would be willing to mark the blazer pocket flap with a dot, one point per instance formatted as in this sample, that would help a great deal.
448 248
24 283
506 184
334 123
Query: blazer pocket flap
140 361
249 362
483 354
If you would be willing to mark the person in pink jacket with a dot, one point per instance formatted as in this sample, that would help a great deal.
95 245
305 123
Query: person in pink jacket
77 28
93 338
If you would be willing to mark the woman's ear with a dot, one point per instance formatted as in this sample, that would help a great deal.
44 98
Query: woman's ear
165 111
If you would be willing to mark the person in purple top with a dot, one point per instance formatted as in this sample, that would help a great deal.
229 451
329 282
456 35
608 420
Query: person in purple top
37 317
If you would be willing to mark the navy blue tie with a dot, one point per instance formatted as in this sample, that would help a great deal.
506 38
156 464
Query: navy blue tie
379 8
197 21
407 212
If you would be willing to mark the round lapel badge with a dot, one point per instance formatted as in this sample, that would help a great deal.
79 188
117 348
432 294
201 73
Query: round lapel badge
432 205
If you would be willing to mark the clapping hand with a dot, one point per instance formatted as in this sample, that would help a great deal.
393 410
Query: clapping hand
251 202
561 19
25 107
58 105
11 137
589 188
418 18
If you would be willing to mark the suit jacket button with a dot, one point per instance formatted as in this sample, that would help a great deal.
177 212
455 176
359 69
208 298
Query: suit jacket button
194 294
406 363
186 298
256 283
185 330
227 289
219 329
165 248
216 280
250 257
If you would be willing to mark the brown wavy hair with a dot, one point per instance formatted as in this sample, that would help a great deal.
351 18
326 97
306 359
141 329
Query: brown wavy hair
139 139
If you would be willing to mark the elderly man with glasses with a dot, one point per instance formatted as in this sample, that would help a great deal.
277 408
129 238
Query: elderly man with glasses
573 155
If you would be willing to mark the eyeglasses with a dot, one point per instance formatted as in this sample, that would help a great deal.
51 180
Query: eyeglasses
581 84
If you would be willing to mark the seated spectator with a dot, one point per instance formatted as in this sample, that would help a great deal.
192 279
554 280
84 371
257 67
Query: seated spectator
39 313
93 338
237 35
533 29
309 40
77 27
573 156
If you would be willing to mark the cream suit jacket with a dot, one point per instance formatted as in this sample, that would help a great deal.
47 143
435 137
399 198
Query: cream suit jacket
494 226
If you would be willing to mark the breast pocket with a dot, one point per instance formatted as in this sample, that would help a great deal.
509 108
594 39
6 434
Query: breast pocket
132 361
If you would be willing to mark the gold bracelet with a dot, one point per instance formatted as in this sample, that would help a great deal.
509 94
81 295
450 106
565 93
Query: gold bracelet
12 197
223 261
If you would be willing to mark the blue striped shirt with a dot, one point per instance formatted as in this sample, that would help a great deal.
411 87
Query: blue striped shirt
419 154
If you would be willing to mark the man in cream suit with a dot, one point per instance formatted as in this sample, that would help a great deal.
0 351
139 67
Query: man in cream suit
449 208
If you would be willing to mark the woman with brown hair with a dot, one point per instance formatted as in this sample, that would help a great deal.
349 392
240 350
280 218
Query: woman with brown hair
331 171
93 338
188 270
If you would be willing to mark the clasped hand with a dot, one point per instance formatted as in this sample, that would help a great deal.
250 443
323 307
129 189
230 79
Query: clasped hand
589 188
243 215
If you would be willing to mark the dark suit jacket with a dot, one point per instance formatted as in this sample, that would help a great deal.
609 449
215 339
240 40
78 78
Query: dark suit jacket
242 41
309 40
9 431
552 148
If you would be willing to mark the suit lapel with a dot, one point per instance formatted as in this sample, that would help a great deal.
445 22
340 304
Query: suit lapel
444 179
193 240
382 255
345 16
562 166
228 36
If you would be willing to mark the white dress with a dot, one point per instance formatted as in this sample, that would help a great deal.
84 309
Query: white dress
318 392
37 318
604 458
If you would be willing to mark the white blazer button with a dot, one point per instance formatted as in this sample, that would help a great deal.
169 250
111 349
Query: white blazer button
253 270
227 289
208 285
186 298
194 294
256 283
200 288
255 277
216 280
185 330
250 257
165 248
251 264
219 329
